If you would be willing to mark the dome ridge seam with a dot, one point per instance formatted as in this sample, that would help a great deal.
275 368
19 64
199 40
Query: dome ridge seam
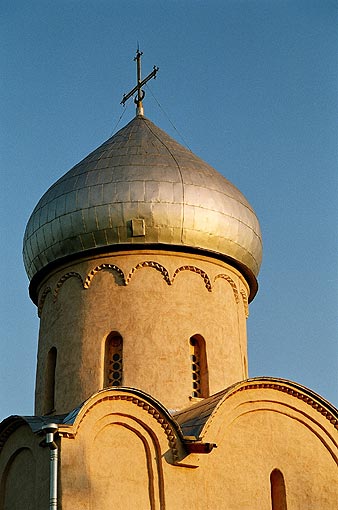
180 173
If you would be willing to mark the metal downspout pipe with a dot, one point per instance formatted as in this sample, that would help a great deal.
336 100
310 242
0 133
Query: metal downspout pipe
50 429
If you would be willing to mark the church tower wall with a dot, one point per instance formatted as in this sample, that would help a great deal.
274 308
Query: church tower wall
164 308
142 260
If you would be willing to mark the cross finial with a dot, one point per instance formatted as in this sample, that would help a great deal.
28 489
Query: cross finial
140 93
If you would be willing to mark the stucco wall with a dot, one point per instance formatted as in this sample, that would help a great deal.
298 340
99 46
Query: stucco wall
121 451
156 301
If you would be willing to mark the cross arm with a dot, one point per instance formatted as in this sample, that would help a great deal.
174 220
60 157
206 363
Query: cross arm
140 85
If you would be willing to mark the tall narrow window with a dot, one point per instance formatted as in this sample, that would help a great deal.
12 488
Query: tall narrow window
50 381
114 360
278 492
199 367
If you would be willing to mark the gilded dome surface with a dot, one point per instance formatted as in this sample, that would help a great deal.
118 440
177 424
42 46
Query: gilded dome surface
141 187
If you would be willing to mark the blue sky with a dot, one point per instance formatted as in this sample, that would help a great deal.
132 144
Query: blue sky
251 85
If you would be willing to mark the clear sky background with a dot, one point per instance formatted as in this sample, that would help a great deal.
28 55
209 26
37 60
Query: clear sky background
251 85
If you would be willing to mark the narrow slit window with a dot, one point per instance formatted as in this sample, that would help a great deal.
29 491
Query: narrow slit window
50 381
278 492
199 367
114 360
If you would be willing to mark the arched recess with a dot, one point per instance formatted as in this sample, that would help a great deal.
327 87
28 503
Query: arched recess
199 367
50 372
278 492
17 485
113 360
126 466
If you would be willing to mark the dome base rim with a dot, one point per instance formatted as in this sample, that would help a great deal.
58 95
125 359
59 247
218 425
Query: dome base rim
40 275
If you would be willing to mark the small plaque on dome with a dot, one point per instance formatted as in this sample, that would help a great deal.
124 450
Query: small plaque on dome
138 227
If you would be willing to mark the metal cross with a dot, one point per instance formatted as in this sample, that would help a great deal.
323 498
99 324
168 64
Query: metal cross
140 93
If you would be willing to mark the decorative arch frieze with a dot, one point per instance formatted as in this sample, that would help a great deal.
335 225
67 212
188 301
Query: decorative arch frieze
196 270
168 428
150 263
232 283
103 267
245 303
294 392
65 277
282 386
42 299
125 280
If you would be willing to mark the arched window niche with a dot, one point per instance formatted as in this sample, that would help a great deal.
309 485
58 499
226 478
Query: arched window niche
50 381
199 367
278 492
113 365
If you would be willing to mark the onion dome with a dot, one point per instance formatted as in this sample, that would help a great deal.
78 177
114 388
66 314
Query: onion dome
142 189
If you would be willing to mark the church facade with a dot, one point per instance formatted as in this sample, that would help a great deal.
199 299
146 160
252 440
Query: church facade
142 262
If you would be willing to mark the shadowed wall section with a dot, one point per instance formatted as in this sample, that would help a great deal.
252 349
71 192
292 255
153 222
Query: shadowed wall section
19 478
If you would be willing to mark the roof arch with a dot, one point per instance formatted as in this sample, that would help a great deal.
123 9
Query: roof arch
201 421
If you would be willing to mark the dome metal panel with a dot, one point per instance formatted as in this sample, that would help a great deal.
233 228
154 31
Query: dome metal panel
141 173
